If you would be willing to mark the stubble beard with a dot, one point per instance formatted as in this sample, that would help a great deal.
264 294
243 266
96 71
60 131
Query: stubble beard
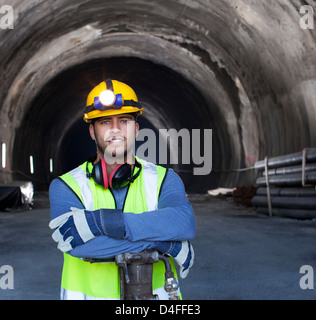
110 156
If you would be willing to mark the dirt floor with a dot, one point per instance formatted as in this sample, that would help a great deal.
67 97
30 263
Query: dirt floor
239 255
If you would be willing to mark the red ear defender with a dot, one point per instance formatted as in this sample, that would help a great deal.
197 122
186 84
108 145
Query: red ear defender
99 173
113 174
104 174
120 177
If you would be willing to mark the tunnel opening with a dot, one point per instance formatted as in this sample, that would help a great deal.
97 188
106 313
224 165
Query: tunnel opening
53 131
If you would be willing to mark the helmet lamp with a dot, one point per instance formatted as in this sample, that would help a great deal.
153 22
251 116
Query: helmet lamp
107 98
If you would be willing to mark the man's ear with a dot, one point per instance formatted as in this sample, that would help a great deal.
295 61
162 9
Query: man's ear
91 130
136 129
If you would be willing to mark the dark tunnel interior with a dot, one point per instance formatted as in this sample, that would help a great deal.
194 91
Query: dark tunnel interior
244 69
232 81
55 117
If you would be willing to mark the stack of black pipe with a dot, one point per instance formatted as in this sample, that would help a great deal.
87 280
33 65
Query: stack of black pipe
289 196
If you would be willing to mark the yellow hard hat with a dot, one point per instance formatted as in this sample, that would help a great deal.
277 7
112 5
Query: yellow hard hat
109 98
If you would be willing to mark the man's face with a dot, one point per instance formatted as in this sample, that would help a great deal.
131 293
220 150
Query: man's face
115 137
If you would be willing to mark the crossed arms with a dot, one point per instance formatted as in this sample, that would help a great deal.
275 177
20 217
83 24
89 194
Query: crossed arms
173 221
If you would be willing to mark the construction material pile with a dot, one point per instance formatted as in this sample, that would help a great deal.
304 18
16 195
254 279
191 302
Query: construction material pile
243 195
286 186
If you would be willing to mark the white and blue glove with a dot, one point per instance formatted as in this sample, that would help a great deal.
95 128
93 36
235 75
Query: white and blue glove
181 251
79 226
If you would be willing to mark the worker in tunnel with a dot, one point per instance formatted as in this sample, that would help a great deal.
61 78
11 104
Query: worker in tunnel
116 203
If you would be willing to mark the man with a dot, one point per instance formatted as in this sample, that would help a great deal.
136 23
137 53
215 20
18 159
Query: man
117 203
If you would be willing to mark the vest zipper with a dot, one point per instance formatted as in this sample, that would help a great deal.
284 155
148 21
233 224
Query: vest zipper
113 198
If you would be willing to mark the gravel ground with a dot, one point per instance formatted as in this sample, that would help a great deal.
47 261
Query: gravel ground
239 255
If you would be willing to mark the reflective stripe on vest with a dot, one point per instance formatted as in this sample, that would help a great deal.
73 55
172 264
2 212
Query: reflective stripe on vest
74 295
83 280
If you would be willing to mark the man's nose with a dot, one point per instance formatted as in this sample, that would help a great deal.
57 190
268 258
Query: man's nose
115 126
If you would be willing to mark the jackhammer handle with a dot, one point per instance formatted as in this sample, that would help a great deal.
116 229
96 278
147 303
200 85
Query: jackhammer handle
126 273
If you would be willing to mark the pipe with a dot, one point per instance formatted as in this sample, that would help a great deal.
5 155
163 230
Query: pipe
290 170
171 283
287 160
289 213
288 192
286 202
288 180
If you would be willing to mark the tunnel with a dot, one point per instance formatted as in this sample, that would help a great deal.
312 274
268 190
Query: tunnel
245 69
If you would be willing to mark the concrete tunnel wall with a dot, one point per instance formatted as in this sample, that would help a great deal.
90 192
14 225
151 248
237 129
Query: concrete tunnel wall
240 67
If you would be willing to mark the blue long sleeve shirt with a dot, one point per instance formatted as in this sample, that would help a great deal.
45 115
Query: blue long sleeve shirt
173 220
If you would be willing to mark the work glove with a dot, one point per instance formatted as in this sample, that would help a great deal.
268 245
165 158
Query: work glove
181 251
183 255
79 226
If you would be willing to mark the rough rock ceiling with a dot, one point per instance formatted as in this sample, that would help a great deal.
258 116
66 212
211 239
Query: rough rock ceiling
241 67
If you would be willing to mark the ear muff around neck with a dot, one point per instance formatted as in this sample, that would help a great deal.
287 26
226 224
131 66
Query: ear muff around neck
121 176
99 173
104 174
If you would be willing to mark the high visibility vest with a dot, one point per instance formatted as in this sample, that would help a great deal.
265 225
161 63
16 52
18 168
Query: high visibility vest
83 280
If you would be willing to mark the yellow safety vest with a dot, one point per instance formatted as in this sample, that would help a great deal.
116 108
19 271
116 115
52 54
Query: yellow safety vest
84 280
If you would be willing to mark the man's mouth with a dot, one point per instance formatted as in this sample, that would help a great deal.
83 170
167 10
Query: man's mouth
114 140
